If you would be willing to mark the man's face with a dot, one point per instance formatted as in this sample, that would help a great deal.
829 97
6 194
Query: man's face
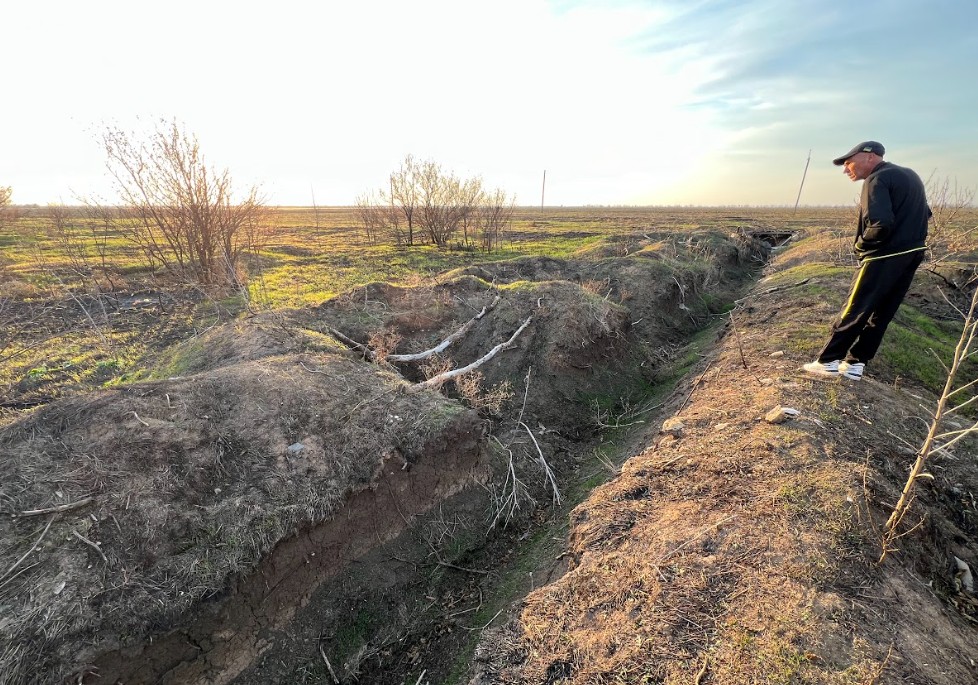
859 165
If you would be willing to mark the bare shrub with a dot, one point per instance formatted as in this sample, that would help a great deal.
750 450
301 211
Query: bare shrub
436 365
939 441
383 343
425 203
490 400
495 214
6 212
949 234
182 214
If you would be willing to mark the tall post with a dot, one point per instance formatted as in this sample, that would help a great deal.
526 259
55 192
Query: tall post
543 191
803 174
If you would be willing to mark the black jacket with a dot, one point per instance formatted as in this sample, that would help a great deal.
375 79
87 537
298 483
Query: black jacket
893 213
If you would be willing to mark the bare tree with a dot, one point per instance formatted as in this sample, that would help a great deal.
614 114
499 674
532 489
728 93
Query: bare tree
495 214
445 202
6 193
434 205
404 194
182 214
948 201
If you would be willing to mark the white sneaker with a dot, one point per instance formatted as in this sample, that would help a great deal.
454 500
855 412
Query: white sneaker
853 371
824 369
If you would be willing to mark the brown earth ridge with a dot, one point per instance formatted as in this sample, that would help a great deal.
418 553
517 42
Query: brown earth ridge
735 550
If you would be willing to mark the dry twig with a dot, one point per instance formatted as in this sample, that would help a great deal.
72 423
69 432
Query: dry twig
58 509
329 666
33 547
91 544
543 462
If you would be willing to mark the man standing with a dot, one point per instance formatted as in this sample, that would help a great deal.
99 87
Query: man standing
890 243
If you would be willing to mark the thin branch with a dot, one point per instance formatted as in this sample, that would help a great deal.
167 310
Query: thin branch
90 544
440 379
329 666
543 462
961 406
33 547
444 344
58 509
928 447
965 386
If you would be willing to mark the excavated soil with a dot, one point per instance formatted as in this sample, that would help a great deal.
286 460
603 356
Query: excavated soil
277 508
216 524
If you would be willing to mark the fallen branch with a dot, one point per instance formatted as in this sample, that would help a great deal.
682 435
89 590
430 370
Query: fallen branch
28 552
350 342
416 356
329 666
440 379
58 509
543 462
444 344
91 544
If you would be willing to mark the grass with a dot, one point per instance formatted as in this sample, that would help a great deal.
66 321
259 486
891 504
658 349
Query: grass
75 290
918 347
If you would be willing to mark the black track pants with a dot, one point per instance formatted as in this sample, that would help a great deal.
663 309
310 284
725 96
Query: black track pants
876 292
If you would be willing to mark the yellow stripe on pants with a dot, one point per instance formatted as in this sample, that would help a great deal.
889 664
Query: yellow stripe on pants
855 289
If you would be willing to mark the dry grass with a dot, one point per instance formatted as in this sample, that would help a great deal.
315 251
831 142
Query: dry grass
745 552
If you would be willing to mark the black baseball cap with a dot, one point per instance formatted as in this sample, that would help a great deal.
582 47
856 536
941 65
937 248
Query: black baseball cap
868 146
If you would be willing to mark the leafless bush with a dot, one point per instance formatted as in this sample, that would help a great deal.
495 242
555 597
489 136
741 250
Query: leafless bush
6 193
436 365
948 235
404 194
939 441
380 221
490 400
182 214
383 342
424 203
495 214
446 202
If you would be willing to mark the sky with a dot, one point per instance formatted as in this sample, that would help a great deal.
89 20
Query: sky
646 102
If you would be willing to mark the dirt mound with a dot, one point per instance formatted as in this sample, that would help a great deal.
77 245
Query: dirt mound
177 524
743 551
601 327
152 502
241 341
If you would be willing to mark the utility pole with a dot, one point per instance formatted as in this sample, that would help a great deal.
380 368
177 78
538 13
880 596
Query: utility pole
543 191
804 173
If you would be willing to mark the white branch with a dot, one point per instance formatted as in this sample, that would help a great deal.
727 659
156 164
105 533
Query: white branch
443 345
543 462
440 379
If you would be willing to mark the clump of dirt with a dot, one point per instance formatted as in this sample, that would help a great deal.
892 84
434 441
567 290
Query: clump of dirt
737 550
145 506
